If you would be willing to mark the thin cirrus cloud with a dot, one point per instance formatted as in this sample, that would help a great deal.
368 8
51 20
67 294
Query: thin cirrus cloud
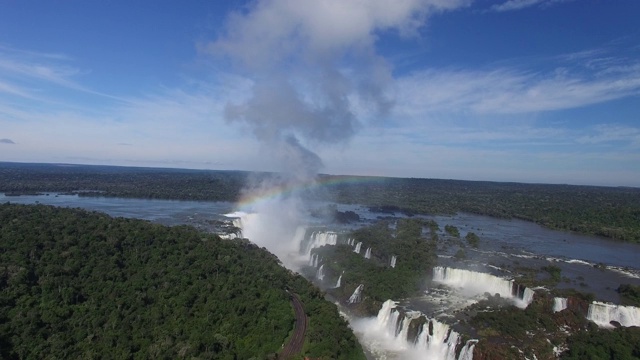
24 72
616 134
512 5
22 66
512 91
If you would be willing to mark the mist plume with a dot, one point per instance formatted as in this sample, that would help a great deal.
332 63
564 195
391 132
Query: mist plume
314 71
313 63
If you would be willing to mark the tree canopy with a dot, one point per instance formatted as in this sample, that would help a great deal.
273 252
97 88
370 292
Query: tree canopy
75 284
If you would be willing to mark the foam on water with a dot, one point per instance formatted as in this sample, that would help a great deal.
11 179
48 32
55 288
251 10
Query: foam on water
473 283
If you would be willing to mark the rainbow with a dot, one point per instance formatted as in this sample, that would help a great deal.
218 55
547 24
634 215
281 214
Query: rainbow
287 189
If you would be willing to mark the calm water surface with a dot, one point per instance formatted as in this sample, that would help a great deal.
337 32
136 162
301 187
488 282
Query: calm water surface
497 235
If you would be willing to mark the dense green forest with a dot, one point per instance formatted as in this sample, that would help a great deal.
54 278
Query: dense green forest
605 211
77 284
601 344
127 182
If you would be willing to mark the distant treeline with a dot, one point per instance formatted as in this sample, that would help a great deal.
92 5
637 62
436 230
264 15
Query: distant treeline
612 212
126 182
76 284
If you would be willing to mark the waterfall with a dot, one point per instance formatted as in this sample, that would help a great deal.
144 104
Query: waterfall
356 297
338 283
435 340
238 223
319 239
351 242
273 230
527 296
320 273
476 283
357 249
367 254
559 304
603 313
312 258
467 351
387 318
393 261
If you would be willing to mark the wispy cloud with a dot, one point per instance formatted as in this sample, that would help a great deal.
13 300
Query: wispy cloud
612 133
26 74
511 5
514 91
7 141
14 90
34 54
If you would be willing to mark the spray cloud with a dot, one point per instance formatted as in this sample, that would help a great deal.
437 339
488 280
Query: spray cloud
314 70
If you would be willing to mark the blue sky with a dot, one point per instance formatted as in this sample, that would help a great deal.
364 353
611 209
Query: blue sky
506 90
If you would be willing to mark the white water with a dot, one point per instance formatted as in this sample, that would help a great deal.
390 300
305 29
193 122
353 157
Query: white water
603 313
356 297
338 283
559 304
320 273
367 254
320 239
393 261
473 283
276 226
313 260
387 336
357 249
467 351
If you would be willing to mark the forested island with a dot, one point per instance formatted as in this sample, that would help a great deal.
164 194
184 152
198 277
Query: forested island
78 284
612 212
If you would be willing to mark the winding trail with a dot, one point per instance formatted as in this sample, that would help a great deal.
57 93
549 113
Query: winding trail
294 346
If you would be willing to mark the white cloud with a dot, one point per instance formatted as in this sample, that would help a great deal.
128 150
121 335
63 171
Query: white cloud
272 31
25 73
511 91
511 5
314 63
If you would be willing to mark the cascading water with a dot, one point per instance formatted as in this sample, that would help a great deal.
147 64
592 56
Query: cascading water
389 332
320 273
559 304
603 314
393 261
238 224
367 254
467 351
356 297
312 259
476 283
357 249
338 283
284 235
320 239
